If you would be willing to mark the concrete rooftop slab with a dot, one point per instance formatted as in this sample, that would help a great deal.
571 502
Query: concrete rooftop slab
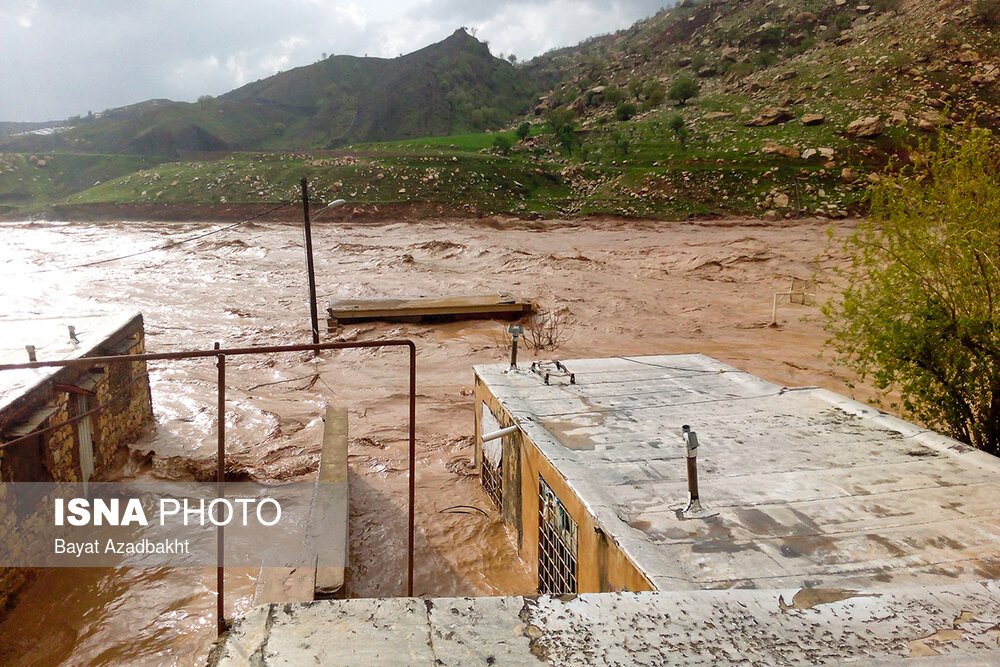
50 336
921 625
801 486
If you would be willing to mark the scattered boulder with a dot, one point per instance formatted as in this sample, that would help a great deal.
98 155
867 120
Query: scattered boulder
683 62
772 148
786 76
826 152
805 18
986 78
716 115
866 127
771 116
808 153
781 200
968 57
897 118
848 175
707 71
813 119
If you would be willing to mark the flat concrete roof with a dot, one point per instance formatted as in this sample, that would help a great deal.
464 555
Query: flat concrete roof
800 486
953 625
50 336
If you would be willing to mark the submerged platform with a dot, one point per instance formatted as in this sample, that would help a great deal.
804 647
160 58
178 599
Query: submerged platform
427 307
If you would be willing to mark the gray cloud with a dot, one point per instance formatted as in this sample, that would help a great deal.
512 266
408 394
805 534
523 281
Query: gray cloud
65 58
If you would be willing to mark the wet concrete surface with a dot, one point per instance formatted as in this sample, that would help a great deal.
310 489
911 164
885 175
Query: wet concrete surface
620 288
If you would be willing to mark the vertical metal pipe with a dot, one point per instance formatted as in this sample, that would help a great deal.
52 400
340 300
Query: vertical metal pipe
220 478
413 466
691 446
313 314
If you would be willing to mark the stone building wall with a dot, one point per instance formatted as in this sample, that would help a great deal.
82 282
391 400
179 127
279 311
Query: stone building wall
119 390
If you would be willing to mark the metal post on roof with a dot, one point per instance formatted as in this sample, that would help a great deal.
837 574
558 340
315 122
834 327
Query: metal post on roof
515 331
691 445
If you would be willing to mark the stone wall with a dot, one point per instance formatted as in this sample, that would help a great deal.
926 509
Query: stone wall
119 392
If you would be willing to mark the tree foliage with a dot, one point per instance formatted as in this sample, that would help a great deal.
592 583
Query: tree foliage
562 122
921 310
625 111
503 143
679 127
683 89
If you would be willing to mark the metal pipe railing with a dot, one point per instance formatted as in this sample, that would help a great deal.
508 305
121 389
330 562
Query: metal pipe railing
220 354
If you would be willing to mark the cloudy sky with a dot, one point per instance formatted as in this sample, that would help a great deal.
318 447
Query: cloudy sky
60 58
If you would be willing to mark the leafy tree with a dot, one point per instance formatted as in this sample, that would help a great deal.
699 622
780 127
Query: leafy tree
655 94
921 309
625 111
679 127
523 130
562 122
503 143
682 89
613 95
621 141
987 12
635 87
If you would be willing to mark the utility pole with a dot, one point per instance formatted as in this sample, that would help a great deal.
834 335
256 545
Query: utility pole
313 314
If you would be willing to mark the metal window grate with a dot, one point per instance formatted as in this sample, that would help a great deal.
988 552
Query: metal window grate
492 478
557 544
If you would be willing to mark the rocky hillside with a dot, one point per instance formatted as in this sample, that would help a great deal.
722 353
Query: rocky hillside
901 60
715 107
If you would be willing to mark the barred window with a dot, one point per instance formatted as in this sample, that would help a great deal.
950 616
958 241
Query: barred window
557 544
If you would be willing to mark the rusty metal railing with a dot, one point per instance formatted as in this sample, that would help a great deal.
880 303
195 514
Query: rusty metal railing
220 355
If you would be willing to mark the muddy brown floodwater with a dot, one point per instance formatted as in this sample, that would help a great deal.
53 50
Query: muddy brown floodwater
621 288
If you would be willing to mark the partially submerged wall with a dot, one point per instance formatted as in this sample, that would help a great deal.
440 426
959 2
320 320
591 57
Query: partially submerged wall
43 447
600 564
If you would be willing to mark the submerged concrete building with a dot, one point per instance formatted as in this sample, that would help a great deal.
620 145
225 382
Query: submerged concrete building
850 534
67 424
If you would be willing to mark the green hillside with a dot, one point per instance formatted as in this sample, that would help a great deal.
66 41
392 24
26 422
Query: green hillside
792 109
448 87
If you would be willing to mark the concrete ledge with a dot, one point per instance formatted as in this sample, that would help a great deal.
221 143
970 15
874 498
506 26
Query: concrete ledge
950 625
332 503
284 584
328 528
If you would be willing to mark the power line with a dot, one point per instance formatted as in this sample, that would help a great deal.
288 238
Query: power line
165 246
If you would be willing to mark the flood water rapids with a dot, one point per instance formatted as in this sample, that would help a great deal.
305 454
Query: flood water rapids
619 288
